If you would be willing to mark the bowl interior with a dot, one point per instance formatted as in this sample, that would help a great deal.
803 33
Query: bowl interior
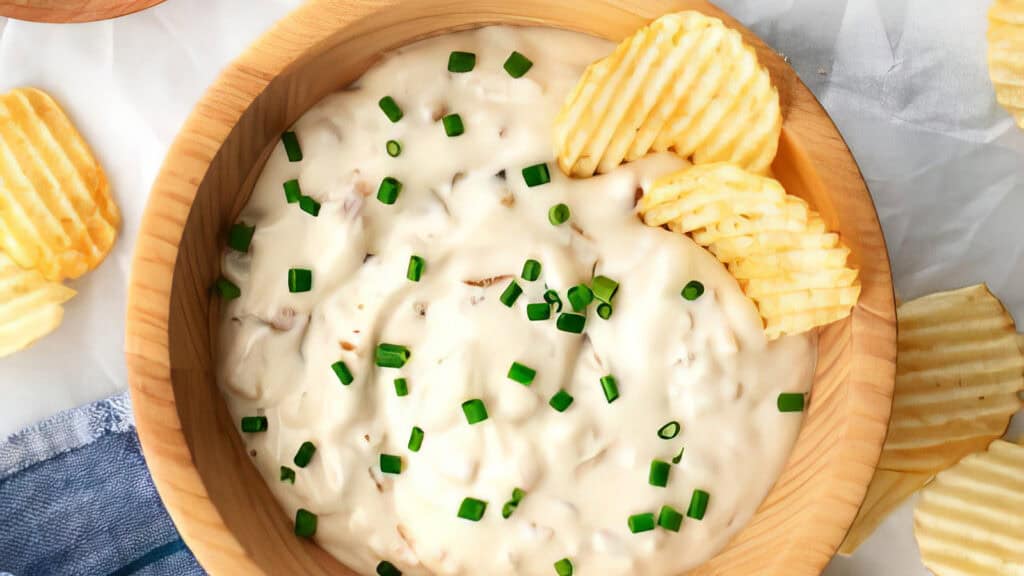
216 497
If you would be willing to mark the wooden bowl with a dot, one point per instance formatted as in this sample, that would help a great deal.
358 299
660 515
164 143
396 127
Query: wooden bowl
63 11
218 501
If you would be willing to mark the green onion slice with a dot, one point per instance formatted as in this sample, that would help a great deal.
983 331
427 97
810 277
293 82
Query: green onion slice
390 464
692 290
240 236
551 297
342 372
511 293
531 270
393 147
604 310
389 190
291 146
390 108
401 387
453 125
670 519
679 457
538 311
252 424
517 65
669 430
475 410
604 288
305 523
309 206
226 289
610 387
415 269
641 523
508 508
563 567
790 402
304 454
415 439
292 191
391 355
459 62
659 473
522 374
536 175
472 509
561 401
571 322
300 280
287 475
385 568
558 214
698 504
580 297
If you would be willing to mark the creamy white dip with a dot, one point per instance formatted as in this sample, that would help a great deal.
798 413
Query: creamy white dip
464 208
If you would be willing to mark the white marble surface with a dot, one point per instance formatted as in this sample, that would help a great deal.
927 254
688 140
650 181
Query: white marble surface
904 80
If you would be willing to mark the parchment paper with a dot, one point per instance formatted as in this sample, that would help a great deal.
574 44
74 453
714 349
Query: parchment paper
905 81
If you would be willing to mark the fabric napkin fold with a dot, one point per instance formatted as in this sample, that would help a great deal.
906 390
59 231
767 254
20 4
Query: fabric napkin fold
76 498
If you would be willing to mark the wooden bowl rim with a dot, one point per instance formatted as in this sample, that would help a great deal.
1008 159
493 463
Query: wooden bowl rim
36 12
150 291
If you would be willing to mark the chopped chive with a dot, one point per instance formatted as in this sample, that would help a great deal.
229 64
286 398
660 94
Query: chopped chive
517 65
511 293
538 311
390 464
670 519
475 410
531 270
389 190
453 125
393 147
300 280
571 323
522 374
461 61
508 508
669 430
518 494
252 424
292 191
304 454
227 289
287 475
604 288
698 504
580 297
604 310
401 387
342 372
692 290
309 206
305 523
641 523
790 402
679 457
390 108
472 509
558 214
561 401
415 269
415 439
291 146
563 567
240 236
610 387
385 568
391 355
551 297
658 475
536 175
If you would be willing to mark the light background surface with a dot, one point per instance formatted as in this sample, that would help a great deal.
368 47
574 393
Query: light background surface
904 80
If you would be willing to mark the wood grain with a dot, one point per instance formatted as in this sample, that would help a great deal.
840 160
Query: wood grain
220 504
65 11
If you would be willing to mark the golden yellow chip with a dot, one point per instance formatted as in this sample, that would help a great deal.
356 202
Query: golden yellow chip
970 519
774 244
684 82
30 306
958 374
56 211
886 492
1006 55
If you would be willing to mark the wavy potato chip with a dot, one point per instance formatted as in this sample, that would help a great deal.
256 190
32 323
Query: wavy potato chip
888 489
684 82
969 520
30 306
773 243
958 374
56 211
1006 55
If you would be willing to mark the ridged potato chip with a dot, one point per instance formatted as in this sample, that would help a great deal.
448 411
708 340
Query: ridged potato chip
56 211
30 306
888 489
684 82
1006 55
958 374
970 520
773 243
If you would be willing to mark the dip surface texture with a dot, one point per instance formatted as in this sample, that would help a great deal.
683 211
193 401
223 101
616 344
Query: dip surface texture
465 209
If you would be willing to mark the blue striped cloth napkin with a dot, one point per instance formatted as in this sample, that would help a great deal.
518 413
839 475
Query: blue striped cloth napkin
76 499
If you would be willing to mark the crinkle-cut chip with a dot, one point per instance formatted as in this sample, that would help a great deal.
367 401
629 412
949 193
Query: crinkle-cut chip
685 82
773 264
785 303
969 520
56 211
802 321
739 247
758 288
888 489
1006 55
958 374
30 306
